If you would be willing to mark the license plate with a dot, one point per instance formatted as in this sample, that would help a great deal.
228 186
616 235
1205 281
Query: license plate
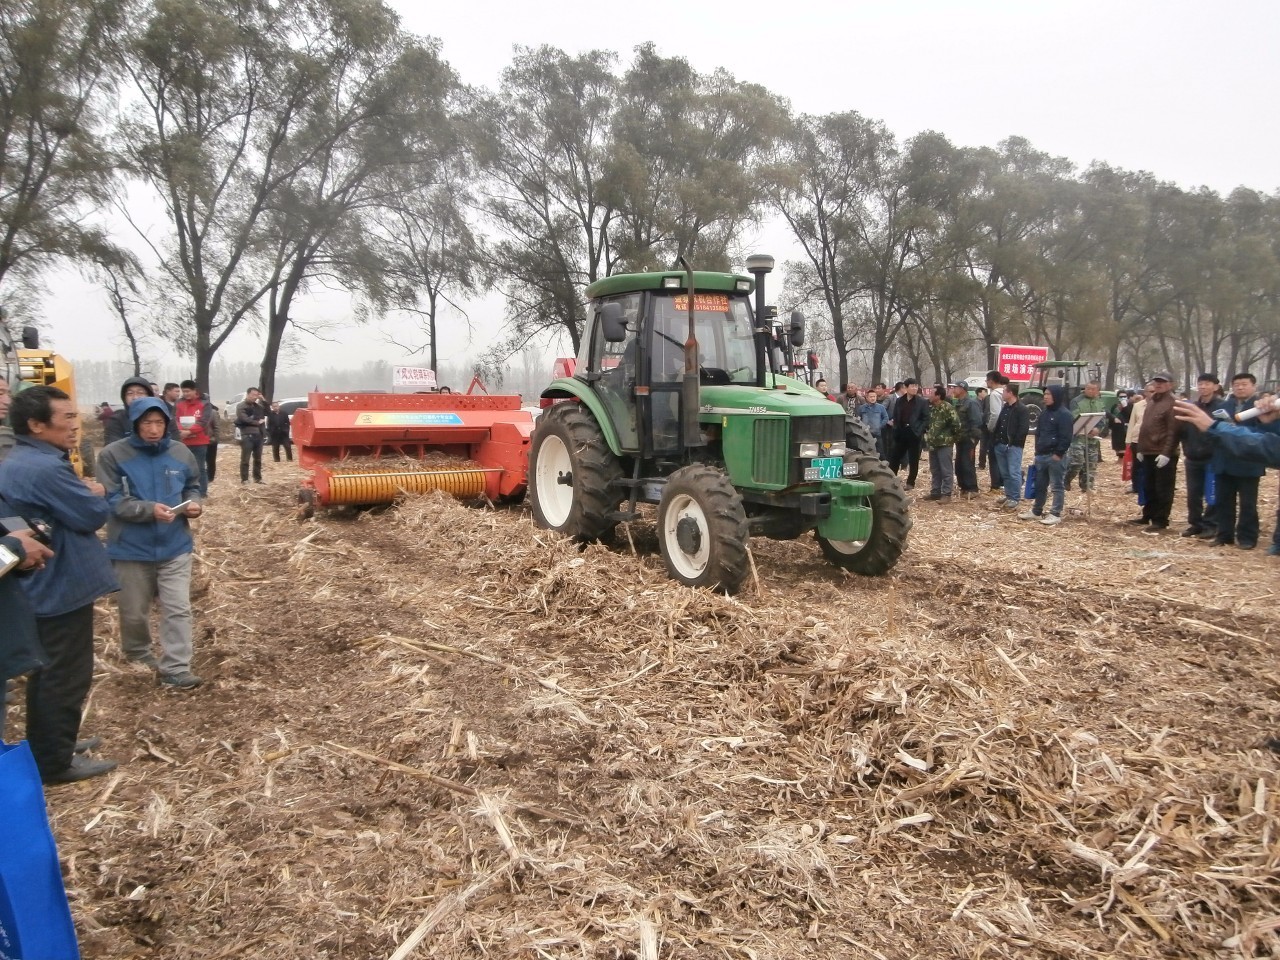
824 468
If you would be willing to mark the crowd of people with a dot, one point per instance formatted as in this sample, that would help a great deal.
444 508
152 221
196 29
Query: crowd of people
964 432
151 478
154 471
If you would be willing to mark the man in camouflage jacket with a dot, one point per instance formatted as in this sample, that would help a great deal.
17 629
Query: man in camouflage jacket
943 432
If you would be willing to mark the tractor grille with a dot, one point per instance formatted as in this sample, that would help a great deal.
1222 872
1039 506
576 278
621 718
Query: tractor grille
772 462
818 429
812 430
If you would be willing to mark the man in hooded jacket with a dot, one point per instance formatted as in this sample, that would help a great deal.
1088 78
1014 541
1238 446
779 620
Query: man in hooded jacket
1053 440
118 426
153 488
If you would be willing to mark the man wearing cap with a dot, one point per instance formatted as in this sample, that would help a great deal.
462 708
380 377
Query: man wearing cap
1197 452
1158 452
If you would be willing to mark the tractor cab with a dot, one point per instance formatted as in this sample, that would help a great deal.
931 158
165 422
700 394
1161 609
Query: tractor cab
1071 375
633 354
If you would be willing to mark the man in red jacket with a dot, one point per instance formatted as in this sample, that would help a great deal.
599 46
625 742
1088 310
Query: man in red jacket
193 429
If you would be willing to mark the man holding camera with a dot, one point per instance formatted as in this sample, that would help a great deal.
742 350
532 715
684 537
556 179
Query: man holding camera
21 551
40 484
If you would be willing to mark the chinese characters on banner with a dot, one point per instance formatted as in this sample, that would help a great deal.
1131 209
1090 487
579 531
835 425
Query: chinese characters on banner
422 378
1018 362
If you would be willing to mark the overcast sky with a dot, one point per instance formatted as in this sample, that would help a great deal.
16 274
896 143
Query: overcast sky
1183 89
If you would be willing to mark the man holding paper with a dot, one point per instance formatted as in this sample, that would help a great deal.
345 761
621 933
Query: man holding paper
153 489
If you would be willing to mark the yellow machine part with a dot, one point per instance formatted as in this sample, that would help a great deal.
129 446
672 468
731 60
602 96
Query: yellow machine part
374 486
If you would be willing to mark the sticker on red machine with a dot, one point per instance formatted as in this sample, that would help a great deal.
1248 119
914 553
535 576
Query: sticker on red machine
408 419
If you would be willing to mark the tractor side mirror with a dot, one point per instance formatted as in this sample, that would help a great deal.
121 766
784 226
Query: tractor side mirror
797 328
30 338
615 330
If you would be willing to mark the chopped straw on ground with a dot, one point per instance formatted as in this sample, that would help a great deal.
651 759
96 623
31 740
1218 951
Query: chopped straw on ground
437 731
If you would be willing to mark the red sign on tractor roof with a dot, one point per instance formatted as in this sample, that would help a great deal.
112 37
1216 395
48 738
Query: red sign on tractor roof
1017 362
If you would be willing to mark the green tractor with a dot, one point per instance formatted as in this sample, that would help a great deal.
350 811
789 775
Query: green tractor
1072 375
676 401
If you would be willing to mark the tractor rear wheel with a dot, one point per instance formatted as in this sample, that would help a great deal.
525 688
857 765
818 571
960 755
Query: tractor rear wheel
572 474
702 529
890 524
859 439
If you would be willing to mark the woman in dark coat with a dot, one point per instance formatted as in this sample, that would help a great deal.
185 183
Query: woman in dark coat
1120 422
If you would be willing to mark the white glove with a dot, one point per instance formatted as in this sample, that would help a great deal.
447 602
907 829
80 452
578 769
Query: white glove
1138 457
1162 461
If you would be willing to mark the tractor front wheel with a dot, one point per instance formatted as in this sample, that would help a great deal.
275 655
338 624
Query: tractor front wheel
702 529
890 524
572 474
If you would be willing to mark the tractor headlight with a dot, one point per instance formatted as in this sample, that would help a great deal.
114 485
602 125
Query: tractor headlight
809 450
838 450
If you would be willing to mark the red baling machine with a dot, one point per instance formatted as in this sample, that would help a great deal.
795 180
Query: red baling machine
467 445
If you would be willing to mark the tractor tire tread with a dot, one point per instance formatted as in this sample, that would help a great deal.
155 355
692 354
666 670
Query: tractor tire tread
890 524
596 471
859 438
722 505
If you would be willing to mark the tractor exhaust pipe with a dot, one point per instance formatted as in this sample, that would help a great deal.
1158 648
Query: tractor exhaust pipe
758 265
690 396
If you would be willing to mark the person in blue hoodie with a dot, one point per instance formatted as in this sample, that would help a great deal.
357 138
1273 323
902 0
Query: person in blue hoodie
1053 441
153 489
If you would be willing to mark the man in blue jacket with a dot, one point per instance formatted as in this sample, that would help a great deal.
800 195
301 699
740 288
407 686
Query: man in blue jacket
1237 479
1256 442
153 488
40 484
1053 441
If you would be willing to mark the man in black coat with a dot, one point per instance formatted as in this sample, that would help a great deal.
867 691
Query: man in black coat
1009 437
908 424
278 432
1197 452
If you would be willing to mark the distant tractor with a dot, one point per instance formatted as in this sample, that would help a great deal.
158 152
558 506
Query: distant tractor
1072 375
676 400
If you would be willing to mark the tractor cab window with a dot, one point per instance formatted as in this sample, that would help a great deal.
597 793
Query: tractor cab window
616 365
618 359
726 346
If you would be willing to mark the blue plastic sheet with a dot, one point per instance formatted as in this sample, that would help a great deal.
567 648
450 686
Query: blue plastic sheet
35 920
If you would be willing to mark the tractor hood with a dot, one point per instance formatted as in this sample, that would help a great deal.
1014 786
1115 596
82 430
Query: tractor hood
787 397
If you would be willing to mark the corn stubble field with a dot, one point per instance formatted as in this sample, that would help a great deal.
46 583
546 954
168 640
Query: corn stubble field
436 731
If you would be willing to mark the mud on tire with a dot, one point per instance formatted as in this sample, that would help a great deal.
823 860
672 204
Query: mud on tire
890 524
572 474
